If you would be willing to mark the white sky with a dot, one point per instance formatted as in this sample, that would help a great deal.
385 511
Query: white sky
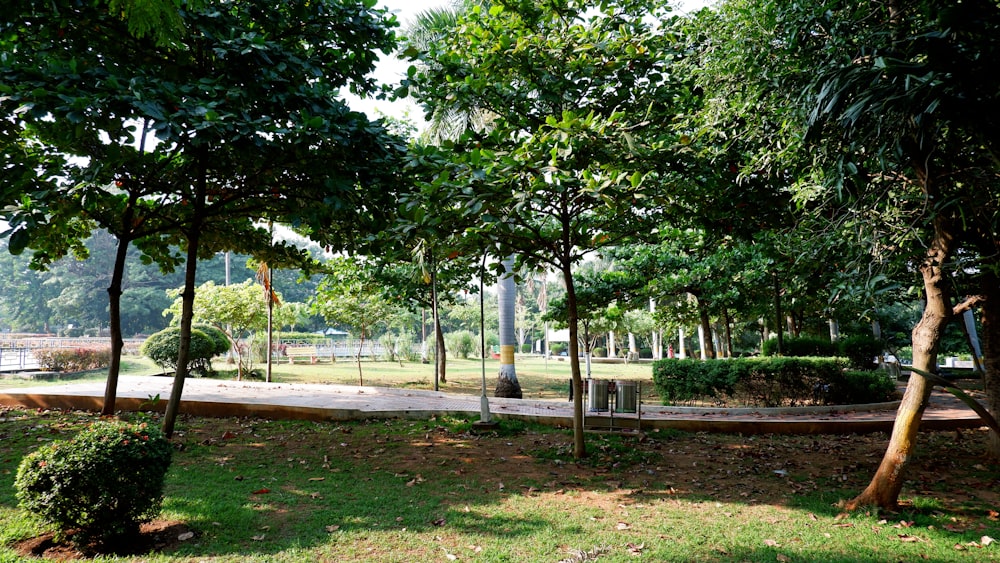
391 70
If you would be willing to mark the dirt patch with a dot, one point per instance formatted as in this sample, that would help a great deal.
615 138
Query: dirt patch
159 536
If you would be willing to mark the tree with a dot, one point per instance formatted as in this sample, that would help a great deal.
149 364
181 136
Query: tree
449 119
350 295
245 111
559 171
884 111
237 310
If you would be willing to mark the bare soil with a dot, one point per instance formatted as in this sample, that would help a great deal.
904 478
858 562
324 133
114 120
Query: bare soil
158 535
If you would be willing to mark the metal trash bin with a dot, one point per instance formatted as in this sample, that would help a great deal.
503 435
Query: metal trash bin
597 395
626 394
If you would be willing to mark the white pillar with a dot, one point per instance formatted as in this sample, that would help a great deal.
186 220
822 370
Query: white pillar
682 353
612 352
701 342
655 340
834 330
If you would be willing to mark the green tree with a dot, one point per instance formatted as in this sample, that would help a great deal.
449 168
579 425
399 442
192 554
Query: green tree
245 111
237 310
559 170
883 112
350 294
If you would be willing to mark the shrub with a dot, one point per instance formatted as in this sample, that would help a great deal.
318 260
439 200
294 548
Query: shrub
460 343
103 483
219 338
802 346
768 382
599 352
557 348
72 359
860 351
645 353
856 387
162 347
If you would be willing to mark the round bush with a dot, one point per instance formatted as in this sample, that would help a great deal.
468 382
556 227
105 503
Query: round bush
861 351
162 347
222 344
103 483
600 352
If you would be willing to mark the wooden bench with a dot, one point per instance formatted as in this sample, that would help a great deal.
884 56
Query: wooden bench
301 352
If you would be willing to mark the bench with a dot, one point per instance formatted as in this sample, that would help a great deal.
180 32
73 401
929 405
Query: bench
301 352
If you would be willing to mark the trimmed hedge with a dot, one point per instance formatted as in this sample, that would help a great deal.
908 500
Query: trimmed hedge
767 382
72 359
103 483
861 351
802 346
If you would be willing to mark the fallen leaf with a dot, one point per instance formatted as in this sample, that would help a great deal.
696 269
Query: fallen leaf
451 556
907 538
782 557
959 547
317 478
228 435
332 528
771 543
986 540
185 536
623 526
261 491
438 522
258 538
634 549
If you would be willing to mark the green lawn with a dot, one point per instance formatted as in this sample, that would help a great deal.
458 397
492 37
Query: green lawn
429 491
540 379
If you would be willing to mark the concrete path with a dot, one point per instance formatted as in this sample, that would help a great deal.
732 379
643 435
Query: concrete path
212 397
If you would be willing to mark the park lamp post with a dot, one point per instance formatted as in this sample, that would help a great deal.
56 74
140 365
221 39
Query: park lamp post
485 420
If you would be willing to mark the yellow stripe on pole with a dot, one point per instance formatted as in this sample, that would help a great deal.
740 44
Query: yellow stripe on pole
507 354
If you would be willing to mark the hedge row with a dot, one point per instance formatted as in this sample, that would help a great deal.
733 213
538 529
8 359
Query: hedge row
72 359
861 351
768 382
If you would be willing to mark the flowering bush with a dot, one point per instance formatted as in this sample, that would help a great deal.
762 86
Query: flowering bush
103 483
72 359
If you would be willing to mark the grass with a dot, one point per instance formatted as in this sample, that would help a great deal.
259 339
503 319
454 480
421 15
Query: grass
291 491
539 378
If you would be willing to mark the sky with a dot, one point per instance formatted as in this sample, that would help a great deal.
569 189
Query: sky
391 70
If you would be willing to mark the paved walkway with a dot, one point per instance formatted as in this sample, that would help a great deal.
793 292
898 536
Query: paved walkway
212 397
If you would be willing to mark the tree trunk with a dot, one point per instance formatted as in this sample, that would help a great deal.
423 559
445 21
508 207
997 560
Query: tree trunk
778 315
991 351
706 326
884 489
115 326
579 445
507 383
729 333
183 353
361 347
440 361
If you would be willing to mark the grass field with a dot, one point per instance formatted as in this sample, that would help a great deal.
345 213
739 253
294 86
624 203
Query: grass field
540 378
428 491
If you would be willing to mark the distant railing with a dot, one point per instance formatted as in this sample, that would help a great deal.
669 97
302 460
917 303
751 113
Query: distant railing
131 344
17 359
338 348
